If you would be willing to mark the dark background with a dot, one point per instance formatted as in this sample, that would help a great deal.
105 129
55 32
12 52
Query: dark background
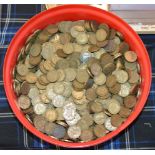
140 135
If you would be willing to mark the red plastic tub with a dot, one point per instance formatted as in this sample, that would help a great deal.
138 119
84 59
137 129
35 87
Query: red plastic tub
76 12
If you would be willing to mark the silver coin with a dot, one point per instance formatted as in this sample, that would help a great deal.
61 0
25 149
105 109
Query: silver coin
130 65
108 124
99 118
85 56
36 100
82 38
58 101
125 89
121 76
74 121
74 132
33 92
50 94
39 108
69 111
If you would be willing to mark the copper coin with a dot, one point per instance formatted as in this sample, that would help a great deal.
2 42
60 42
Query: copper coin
86 135
49 127
82 76
52 28
78 86
115 89
43 36
28 110
111 46
52 76
65 38
95 69
91 94
101 35
99 131
61 53
116 120
124 112
96 107
24 102
106 58
35 50
111 80
130 56
35 60
39 122
102 43
93 48
89 83
102 91
108 68
134 89
25 87
123 47
112 34
130 101
133 77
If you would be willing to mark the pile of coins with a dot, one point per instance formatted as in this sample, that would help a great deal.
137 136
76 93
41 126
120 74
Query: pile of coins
76 81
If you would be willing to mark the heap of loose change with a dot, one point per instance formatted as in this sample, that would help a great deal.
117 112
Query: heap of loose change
76 81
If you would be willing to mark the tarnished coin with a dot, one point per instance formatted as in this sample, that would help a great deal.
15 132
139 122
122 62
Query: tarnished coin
89 83
40 86
82 107
39 108
85 56
22 69
92 38
108 68
99 131
48 50
23 102
130 56
130 65
48 65
59 131
61 53
102 91
31 77
99 118
75 30
59 88
36 100
70 74
43 36
121 75
116 120
123 47
93 48
114 106
96 107
105 59
82 38
52 28
133 77
39 122
50 115
35 60
124 112
130 101
74 121
118 98
108 125
86 135
50 94
33 92
88 118
112 33
111 46
101 35
95 69
52 76
59 113
44 98
25 88
81 101
42 79
74 132
68 89
111 80
115 89
69 111
125 89
62 64
35 49
100 79
82 75
82 123
68 48
61 74
58 101
91 94
49 127
78 94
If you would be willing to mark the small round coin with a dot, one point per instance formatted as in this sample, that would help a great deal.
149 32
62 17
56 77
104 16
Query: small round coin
116 120
58 101
39 122
74 132
101 34
82 75
91 94
50 115
39 108
59 131
100 79
96 107
86 135
130 101
99 131
130 56
24 102
114 106
99 118
52 76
